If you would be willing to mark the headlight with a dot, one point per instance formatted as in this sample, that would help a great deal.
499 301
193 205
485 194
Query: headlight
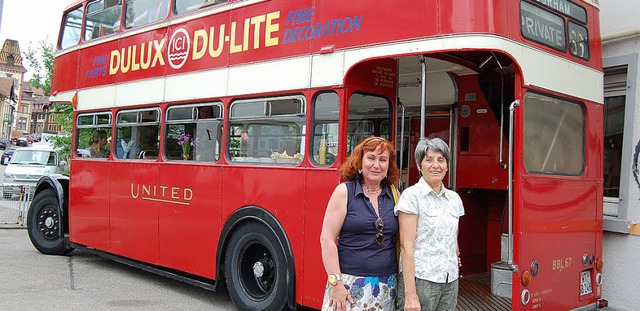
8 177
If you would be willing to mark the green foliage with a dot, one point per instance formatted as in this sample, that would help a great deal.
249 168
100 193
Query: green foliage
63 141
41 60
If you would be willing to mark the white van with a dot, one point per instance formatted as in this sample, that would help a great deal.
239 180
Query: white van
27 165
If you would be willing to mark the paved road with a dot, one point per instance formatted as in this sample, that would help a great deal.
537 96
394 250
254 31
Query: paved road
30 280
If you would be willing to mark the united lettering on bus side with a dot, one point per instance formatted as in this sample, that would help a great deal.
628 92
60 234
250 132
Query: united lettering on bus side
162 193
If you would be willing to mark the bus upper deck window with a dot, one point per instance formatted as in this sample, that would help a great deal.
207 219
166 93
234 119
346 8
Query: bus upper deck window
103 18
143 12
185 6
71 27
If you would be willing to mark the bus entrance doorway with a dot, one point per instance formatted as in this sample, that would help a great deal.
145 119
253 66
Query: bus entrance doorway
463 108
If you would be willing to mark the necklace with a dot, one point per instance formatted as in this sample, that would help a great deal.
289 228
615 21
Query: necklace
372 190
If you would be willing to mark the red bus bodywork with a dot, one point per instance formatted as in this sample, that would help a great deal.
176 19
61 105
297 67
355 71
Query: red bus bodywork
556 219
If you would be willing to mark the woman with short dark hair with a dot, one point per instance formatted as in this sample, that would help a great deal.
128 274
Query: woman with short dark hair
428 216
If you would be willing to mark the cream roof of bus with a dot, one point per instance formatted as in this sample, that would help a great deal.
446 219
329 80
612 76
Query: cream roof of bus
441 90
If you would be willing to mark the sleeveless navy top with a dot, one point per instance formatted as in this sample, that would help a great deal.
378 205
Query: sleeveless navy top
358 252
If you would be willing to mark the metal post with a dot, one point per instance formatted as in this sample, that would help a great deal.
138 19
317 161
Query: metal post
11 111
401 105
45 108
423 99
512 109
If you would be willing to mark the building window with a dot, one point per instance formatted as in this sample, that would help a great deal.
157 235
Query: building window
619 104
614 103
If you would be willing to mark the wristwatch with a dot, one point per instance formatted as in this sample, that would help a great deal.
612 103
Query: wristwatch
334 278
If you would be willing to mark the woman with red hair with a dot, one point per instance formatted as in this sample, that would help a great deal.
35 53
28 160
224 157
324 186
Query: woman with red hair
359 229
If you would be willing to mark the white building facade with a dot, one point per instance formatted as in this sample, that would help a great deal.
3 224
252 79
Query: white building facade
620 29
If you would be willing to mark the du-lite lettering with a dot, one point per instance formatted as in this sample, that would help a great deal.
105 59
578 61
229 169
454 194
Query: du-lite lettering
212 42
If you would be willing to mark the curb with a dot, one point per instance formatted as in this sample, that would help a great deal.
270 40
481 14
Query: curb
11 226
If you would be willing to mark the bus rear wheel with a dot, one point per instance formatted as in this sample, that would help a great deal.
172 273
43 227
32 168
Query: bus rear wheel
256 270
43 224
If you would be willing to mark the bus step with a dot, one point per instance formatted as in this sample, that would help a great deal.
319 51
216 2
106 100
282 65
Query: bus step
475 294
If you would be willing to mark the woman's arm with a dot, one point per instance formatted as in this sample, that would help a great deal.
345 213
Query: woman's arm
331 226
408 227
458 249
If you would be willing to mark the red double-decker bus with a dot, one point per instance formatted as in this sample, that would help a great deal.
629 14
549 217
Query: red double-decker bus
208 137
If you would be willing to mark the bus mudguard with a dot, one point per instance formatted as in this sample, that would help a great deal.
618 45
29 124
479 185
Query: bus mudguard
254 219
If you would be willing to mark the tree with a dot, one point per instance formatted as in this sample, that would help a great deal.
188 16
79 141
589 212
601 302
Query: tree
41 60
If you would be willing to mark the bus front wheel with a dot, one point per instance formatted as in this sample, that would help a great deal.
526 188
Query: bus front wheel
43 224
255 269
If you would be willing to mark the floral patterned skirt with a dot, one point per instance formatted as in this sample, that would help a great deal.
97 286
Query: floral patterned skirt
368 292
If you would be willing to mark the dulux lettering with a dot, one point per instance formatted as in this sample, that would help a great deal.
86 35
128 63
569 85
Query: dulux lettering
128 58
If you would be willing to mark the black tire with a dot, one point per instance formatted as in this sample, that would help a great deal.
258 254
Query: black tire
43 224
254 247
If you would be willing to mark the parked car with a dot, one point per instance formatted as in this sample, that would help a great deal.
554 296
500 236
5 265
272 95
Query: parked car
24 140
6 155
3 143
27 166
16 138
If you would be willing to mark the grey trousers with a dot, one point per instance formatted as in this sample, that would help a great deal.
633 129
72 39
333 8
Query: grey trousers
432 296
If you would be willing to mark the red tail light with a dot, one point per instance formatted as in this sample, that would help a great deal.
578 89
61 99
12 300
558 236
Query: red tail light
599 264
526 278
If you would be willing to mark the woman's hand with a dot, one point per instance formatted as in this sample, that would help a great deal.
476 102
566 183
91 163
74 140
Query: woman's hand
411 302
340 297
